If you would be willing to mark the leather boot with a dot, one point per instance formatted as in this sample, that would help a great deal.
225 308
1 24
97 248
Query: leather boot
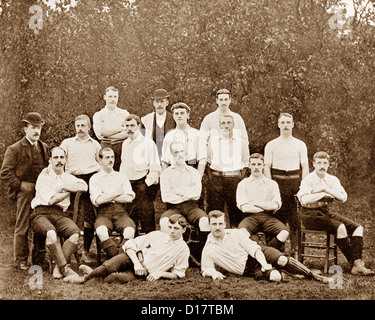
110 248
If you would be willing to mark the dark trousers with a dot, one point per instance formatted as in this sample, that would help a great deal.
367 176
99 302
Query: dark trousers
142 207
221 190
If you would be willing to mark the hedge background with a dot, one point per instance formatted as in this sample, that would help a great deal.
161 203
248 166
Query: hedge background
291 56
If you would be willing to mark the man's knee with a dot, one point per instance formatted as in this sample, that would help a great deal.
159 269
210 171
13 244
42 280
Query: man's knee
358 232
51 237
74 238
102 233
282 235
341 231
282 261
204 224
164 224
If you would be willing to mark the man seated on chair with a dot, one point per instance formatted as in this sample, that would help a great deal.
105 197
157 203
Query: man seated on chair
181 187
153 256
349 234
233 251
110 191
259 198
50 217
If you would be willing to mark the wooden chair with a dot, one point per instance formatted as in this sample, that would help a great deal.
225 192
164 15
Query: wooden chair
33 248
327 245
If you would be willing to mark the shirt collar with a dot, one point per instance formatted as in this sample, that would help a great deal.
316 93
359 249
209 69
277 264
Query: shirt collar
251 178
211 239
88 139
320 179
33 144
186 167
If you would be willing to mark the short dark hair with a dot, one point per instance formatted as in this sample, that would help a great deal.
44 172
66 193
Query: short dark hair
285 114
256 156
321 155
111 89
178 218
102 150
133 117
215 214
222 91
84 117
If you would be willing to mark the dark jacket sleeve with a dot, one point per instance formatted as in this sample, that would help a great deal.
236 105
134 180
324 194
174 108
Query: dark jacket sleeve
9 166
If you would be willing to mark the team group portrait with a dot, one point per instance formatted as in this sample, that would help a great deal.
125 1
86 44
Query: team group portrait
191 151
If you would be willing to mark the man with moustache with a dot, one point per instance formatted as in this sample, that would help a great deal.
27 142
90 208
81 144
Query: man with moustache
259 198
82 161
140 163
23 161
286 162
108 124
157 123
181 188
211 124
110 191
233 251
50 217
318 185
228 159
195 155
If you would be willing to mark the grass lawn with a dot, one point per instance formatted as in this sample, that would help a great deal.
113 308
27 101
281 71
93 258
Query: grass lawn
14 285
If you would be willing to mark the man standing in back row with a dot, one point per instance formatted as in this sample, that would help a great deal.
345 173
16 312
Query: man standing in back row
286 162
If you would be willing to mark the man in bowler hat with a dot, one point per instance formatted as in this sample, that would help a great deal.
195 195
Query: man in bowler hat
23 161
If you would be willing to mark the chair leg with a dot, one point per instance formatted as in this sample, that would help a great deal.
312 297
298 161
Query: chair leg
98 249
328 244
335 250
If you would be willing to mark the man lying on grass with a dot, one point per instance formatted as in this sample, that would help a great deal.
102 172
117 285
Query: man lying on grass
153 256
233 251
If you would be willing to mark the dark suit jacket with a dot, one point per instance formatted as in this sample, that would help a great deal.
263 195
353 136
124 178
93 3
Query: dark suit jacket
17 162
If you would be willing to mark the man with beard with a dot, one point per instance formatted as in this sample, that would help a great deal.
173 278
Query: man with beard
50 217
82 161
108 124
259 198
349 234
23 161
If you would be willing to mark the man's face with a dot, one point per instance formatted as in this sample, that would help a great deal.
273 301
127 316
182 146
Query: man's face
217 226
33 132
111 98
285 124
226 125
321 166
223 101
178 153
58 160
256 167
175 230
131 127
180 116
161 105
82 128
107 160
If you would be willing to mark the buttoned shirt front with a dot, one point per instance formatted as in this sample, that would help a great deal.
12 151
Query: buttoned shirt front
187 181
109 120
227 154
250 190
312 184
190 138
103 182
161 253
231 253
139 159
81 155
47 184
285 154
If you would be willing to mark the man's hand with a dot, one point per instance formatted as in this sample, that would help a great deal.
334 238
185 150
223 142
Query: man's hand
154 276
266 267
218 276
139 270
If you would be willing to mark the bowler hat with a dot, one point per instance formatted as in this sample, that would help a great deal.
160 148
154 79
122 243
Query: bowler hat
160 94
34 118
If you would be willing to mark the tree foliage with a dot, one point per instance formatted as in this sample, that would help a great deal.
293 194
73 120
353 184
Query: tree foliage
274 56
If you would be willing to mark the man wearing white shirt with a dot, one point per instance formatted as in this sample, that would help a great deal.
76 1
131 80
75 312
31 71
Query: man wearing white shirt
153 256
108 124
259 198
196 154
228 159
110 191
349 234
158 123
210 124
52 199
286 162
233 251
140 163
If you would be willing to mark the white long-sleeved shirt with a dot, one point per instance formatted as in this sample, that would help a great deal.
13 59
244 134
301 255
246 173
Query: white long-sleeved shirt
231 253
161 253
